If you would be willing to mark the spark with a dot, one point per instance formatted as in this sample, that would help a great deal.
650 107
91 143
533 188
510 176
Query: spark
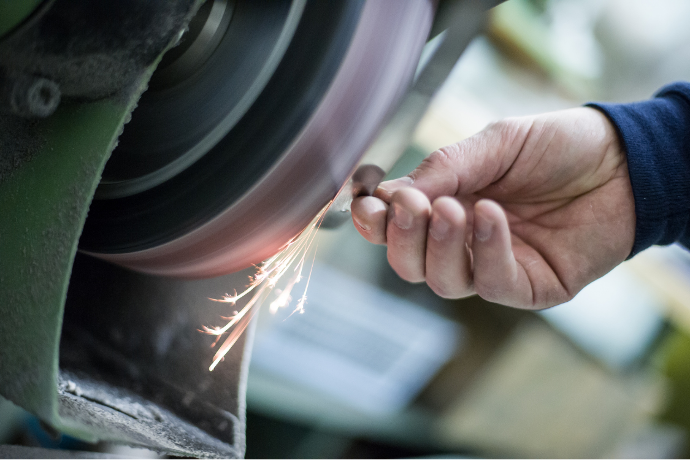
261 284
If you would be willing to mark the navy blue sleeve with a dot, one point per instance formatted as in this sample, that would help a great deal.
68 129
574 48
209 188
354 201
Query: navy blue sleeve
656 137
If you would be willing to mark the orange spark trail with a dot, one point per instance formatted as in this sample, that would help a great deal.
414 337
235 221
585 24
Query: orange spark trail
262 283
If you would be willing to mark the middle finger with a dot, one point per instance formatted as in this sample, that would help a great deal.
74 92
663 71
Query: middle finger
408 219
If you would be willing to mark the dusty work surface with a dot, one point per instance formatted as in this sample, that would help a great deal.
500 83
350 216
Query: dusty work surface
134 364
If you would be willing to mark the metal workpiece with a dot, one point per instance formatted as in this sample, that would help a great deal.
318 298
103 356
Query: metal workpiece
363 182
366 179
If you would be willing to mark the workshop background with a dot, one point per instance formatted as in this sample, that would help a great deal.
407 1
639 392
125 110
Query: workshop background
379 368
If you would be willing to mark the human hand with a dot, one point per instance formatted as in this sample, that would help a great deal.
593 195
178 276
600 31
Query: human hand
525 213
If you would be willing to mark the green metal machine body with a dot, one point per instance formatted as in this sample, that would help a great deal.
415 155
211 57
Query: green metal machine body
49 170
45 199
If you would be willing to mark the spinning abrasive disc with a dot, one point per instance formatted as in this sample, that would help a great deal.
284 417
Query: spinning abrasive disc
249 127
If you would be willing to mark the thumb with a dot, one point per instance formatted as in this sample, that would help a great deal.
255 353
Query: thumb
433 177
465 167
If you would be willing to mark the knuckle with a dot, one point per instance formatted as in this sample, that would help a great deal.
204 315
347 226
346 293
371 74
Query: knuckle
446 157
504 126
509 130
439 160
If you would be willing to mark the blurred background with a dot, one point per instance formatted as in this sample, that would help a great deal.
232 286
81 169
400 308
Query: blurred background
379 368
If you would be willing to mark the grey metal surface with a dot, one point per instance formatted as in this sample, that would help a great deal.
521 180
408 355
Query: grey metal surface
134 365
9 451
119 415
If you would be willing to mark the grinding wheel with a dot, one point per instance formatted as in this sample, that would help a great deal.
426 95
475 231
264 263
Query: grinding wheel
250 126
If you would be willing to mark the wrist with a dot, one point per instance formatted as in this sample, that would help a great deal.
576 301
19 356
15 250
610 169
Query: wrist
655 140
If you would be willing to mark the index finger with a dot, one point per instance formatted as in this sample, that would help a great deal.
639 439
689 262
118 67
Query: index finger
369 214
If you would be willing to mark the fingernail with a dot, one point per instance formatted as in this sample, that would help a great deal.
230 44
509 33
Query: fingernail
402 217
483 228
393 185
366 228
439 228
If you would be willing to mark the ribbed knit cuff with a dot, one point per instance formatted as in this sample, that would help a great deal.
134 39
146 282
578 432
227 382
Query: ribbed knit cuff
656 137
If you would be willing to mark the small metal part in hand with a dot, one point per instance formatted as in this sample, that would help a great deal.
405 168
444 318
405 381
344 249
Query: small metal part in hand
362 183
365 180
